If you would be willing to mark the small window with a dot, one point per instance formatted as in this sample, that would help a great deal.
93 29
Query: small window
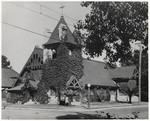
39 59
36 56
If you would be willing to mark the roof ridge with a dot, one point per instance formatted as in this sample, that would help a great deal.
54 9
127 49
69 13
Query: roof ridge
126 66
94 60
38 48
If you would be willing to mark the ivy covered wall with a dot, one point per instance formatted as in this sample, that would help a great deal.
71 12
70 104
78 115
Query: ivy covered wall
56 72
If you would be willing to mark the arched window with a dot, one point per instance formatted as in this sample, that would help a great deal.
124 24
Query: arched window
54 54
39 59
36 56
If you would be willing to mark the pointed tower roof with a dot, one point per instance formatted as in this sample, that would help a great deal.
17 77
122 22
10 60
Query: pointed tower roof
54 38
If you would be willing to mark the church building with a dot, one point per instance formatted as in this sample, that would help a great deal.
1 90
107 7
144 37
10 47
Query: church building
100 78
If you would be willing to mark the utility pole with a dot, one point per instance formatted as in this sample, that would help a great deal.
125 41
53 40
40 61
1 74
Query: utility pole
140 59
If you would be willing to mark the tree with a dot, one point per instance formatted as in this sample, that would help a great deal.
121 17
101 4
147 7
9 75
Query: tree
5 62
129 88
144 75
110 26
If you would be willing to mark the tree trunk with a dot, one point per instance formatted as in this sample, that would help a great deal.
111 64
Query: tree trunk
116 97
69 101
59 97
130 97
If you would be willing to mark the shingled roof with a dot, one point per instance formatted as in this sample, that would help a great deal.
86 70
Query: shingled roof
9 77
96 74
122 72
54 38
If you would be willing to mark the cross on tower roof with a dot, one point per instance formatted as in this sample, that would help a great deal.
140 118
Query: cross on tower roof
62 7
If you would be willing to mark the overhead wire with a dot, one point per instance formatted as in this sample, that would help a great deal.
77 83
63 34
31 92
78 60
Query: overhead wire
55 11
39 13
47 7
24 29
34 11
29 30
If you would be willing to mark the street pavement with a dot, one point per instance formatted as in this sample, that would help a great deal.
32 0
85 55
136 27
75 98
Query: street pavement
51 111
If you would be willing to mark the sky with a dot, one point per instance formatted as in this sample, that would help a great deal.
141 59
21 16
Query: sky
17 44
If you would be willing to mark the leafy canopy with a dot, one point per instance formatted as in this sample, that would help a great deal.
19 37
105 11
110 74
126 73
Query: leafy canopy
129 88
110 26
5 62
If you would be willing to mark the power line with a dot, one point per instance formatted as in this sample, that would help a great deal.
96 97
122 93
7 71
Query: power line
34 11
29 30
47 7
38 12
24 29
55 11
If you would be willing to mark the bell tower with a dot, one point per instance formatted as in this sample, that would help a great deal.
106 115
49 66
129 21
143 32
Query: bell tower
61 34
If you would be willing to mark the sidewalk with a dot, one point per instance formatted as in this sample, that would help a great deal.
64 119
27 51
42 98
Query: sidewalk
82 107
97 105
